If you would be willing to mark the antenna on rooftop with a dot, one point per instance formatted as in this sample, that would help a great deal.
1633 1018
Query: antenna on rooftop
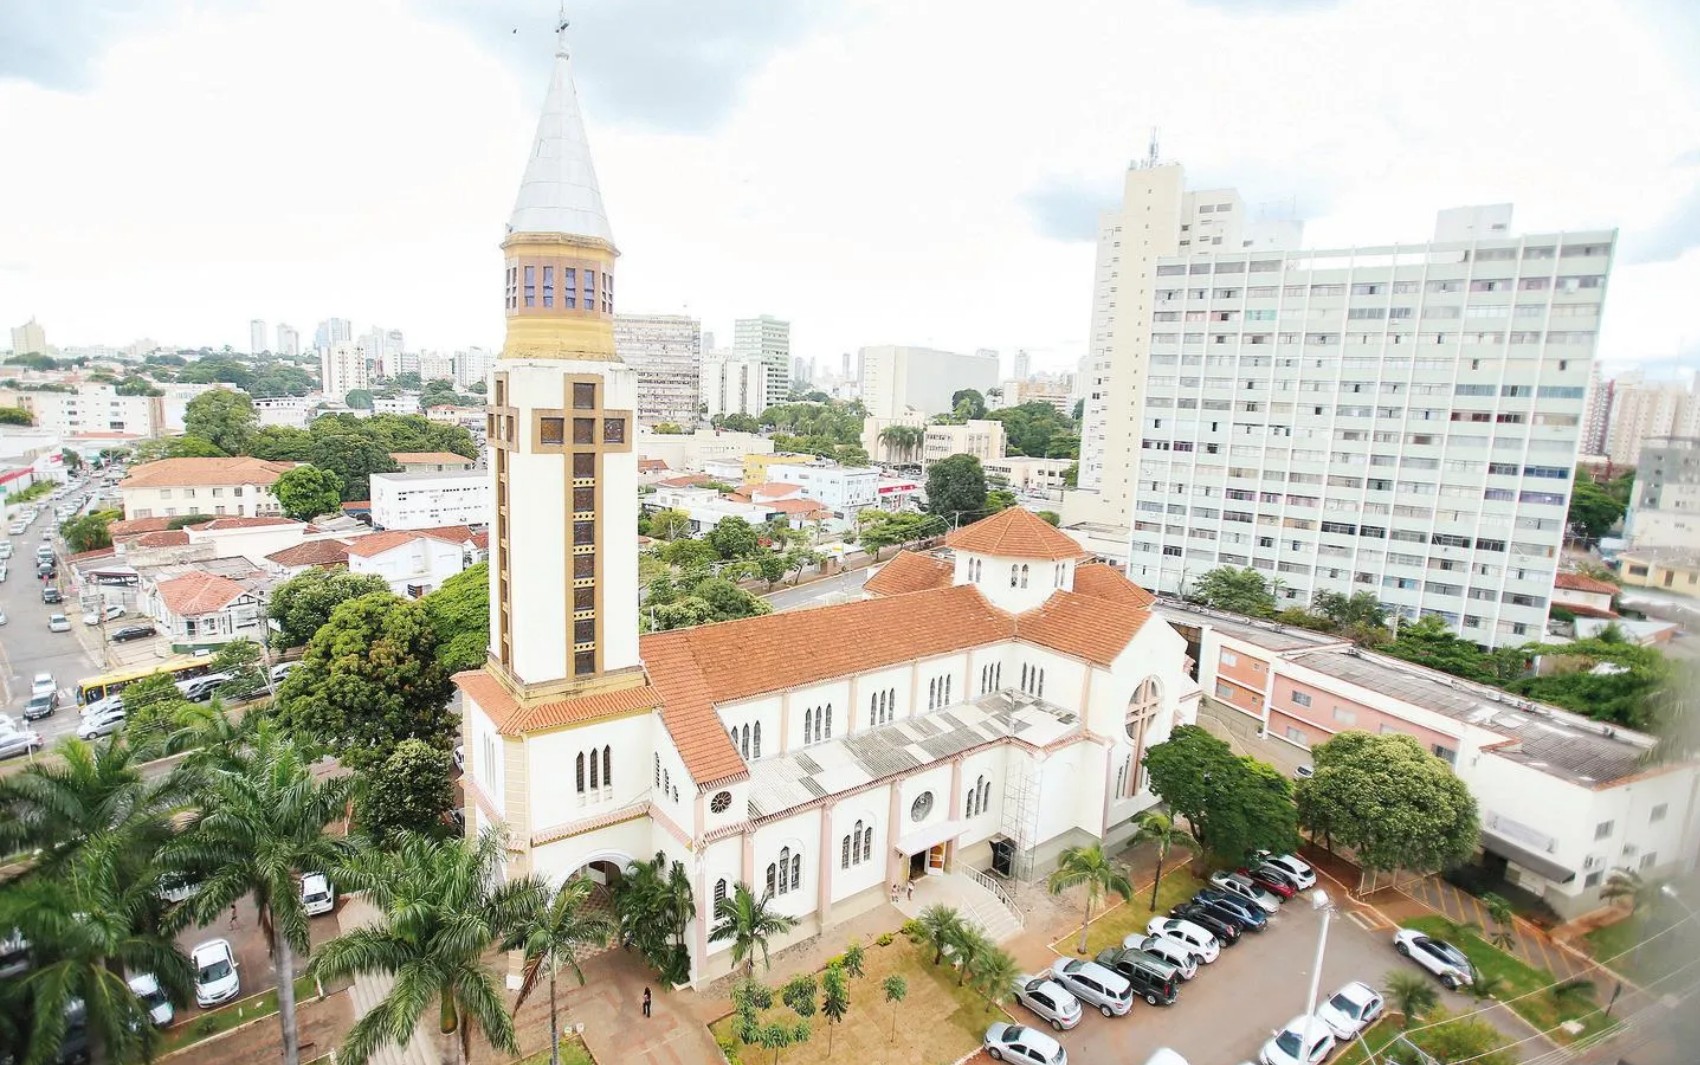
1151 158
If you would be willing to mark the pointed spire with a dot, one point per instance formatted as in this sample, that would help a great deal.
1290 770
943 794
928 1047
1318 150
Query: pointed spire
559 193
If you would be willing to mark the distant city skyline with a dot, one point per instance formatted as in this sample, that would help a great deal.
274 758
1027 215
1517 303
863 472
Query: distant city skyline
722 219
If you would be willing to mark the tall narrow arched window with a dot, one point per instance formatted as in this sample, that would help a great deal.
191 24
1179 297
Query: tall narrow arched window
720 891
1024 574
796 872
844 854
873 709
658 770
607 766
949 683
985 796
580 772
731 734
997 675
593 784
808 726
770 888
1014 573
666 782
744 742
868 842
1024 677
968 804
784 864
857 836
932 693
755 743
829 721
1141 714
1041 692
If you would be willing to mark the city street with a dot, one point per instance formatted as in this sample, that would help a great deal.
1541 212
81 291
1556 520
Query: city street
27 648
838 588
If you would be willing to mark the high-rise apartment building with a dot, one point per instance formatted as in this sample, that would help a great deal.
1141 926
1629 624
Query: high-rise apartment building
666 352
1401 420
256 336
844 367
896 378
768 339
1664 510
332 331
342 369
468 365
1023 366
437 366
1596 414
734 384
1643 410
29 339
288 340
394 344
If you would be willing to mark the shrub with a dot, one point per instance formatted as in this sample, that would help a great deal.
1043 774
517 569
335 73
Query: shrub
729 1047
912 928
885 939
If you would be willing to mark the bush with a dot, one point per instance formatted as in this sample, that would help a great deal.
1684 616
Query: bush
729 1047
885 939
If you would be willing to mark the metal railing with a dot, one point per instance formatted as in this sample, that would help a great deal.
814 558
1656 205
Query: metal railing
985 880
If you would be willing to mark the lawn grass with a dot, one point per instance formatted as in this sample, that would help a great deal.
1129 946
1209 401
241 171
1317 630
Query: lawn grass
1539 1008
1615 945
572 1053
936 1022
194 1027
1434 1040
1111 926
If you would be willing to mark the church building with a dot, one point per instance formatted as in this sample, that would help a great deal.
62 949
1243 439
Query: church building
975 714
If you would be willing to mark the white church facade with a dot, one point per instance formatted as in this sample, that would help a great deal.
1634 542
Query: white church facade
978 711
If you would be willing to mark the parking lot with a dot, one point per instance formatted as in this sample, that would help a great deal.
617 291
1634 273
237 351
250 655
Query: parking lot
1229 1010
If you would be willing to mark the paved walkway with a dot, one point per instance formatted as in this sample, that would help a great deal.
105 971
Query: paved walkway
320 1022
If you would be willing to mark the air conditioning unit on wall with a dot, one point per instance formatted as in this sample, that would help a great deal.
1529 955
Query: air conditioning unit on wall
1591 862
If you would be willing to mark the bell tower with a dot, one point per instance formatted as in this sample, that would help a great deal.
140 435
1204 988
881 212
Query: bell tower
563 543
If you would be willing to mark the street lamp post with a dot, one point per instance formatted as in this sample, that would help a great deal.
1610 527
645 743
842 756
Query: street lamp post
1671 893
1318 901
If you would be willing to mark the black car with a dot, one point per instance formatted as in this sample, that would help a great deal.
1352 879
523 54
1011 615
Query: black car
133 632
1226 914
1250 914
51 595
41 706
1204 917
1154 979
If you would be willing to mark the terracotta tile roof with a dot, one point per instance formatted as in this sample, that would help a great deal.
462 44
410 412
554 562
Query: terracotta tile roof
687 710
198 593
512 719
1079 625
1581 582
1015 533
1105 582
163 538
421 458
797 506
379 542
689 480
312 553
218 524
136 526
1584 611
651 465
357 504
481 540
169 473
90 556
454 534
910 572
771 488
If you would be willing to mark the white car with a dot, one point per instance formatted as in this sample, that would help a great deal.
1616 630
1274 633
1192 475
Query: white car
1300 872
1050 1000
1437 956
1019 1043
215 973
283 670
6 549
1350 1010
1165 1056
152 997
317 895
5 572
17 527
100 706
1095 985
1256 894
101 723
1204 946
1173 951
111 613
1304 1041
58 623
43 684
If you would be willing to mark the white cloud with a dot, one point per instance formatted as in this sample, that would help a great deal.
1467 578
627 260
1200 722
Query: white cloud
870 178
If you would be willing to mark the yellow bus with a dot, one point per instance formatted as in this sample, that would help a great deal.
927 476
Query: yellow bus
183 667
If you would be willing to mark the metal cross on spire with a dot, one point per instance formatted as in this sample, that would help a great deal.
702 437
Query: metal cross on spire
561 30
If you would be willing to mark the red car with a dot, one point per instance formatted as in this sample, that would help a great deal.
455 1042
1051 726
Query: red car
1272 880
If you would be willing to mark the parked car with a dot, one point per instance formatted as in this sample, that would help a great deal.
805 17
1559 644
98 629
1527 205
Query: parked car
102 723
5 571
317 895
200 689
1235 884
1050 1000
1152 978
58 623
14 955
3 618
111 702
216 980
51 596
6 549
1350 1010
1271 879
132 632
1227 932
1301 872
177 887
1250 913
1018 1042
283 670
111 613
1173 951
1165 1056
14 742
41 705
1437 956
1304 1041
17 527
42 683
1095 985
146 988
1198 939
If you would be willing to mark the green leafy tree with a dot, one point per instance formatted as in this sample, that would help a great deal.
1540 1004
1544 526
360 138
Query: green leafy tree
1039 430
1429 642
177 447
901 441
1052 518
261 824
956 489
306 492
1504 920
1088 866
460 613
733 537
72 460
1594 509
687 553
1411 993
654 901
1445 1038
281 443
302 604
16 416
358 399
799 994
442 906
1358 610
992 976
152 707
669 523
834 1001
409 791
91 532
223 418
968 403
1161 831
771 566
370 679
853 959
1395 804
352 455
882 529
968 944
1234 804
1629 692
551 933
1241 591
243 660
748 922
999 499
896 989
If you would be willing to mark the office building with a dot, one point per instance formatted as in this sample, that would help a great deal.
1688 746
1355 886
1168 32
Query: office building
896 378
256 337
1643 410
343 369
288 340
768 339
1023 366
467 367
29 339
666 352
332 331
735 384
1664 509
1401 420
430 499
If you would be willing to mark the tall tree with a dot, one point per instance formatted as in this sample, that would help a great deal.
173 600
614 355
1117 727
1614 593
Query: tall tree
968 403
302 604
939 925
441 907
551 933
956 489
896 989
733 537
307 492
1242 591
460 613
1088 866
92 792
409 791
262 822
1234 805
834 1000
370 678
1161 831
223 418
1594 509
352 454
748 922
1395 804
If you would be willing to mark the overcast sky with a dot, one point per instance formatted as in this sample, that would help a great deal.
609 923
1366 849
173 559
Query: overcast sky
876 171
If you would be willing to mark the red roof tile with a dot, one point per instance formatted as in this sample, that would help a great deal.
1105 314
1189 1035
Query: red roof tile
170 473
427 458
1580 582
198 593
796 506
689 480
651 465
379 542
90 556
136 526
164 538
910 572
312 553
1105 582
1079 625
511 718
1015 533
262 522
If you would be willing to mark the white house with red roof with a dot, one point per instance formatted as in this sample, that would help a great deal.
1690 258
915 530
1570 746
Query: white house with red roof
204 609
414 562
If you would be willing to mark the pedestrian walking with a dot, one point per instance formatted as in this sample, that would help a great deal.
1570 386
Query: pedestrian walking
910 888
233 915
646 1002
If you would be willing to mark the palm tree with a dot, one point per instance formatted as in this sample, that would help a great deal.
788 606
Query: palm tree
968 945
938 927
552 934
1571 994
749 923
1087 865
1412 994
1162 830
1630 886
440 908
653 901
92 791
1504 919
264 823
994 974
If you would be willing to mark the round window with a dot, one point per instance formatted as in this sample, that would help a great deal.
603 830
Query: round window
721 802
922 807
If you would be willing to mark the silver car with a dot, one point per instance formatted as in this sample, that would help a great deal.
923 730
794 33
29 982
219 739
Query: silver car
1095 985
1257 895
1019 1043
1049 1000
12 743
1173 951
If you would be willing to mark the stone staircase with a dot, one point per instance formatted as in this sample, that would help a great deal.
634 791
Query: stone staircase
973 895
368 990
